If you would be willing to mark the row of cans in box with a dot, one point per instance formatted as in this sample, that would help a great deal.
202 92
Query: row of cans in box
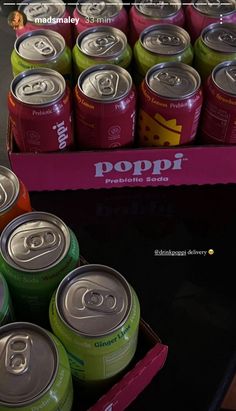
94 313
89 13
108 45
105 107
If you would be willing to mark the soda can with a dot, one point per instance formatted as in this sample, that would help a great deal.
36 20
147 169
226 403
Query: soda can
95 313
216 44
37 250
34 370
219 112
144 14
161 43
48 15
105 107
14 197
90 13
170 105
101 45
6 310
41 48
200 14
40 111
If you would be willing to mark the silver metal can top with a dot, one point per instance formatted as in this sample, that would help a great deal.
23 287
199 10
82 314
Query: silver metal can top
40 46
46 9
35 241
38 87
2 291
224 76
158 9
24 350
220 37
102 42
94 300
173 80
99 8
215 8
9 189
105 82
166 39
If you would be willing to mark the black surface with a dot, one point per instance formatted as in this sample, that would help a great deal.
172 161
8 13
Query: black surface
188 300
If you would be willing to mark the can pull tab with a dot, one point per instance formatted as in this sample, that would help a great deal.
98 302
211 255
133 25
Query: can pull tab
167 40
18 354
44 47
100 300
96 8
105 41
107 84
228 38
34 87
213 3
169 79
41 241
231 74
38 9
3 196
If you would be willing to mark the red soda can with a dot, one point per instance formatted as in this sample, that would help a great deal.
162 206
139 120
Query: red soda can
219 110
40 110
105 103
170 105
200 14
150 12
91 13
48 15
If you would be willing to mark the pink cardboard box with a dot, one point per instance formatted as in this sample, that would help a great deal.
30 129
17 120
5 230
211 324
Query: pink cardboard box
120 396
139 167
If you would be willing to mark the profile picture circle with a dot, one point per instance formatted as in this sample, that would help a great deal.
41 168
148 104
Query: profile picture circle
17 19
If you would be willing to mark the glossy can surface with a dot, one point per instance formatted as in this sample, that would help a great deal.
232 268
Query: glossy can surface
14 197
201 14
40 111
6 310
101 45
216 44
49 15
219 110
170 105
105 103
91 13
41 48
35 363
95 313
146 13
36 251
162 43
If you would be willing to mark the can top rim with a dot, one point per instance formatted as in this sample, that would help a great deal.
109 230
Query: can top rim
172 28
184 67
81 2
33 216
217 68
43 333
137 5
98 29
35 71
80 273
26 3
8 174
45 32
215 12
215 26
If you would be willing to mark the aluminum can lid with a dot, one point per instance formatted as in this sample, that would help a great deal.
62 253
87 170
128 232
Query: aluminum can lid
158 9
99 8
215 8
165 39
102 42
224 76
47 8
9 188
220 37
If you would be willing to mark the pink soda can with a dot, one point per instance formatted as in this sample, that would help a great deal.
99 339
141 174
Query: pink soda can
105 107
48 15
200 14
150 12
91 13
40 111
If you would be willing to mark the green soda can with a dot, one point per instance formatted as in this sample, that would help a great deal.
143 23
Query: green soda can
95 313
101 45
158 44
216 44
37 250
41 48
6 311
34 370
